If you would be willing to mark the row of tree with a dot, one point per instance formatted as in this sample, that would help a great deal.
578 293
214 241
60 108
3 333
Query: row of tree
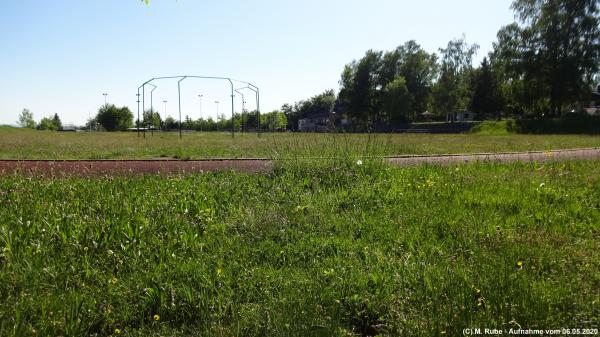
47 123
275 120
542 65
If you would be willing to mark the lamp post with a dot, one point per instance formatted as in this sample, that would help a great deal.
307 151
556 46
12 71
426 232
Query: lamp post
217 102
138 113
243 108
104 94
200 97
165 112
179 100
152 110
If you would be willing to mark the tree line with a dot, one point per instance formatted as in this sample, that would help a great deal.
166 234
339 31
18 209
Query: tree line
543 64
47 123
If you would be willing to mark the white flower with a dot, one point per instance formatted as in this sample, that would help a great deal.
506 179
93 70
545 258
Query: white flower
359 162
542 184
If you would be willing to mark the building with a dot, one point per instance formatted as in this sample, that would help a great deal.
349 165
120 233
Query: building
594 108
315 123
461 116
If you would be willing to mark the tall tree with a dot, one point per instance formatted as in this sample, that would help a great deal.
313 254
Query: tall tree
397 101
57 122
452 90
26 119
113 118
361 88
419 69
486 96
554 51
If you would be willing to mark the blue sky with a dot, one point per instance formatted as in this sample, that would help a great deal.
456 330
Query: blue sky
60 56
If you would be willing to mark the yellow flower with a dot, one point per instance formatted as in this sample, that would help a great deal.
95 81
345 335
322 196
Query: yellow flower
520 265
156 318
117 331
219 271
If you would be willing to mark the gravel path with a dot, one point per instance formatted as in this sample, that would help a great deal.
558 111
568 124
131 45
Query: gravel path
169 167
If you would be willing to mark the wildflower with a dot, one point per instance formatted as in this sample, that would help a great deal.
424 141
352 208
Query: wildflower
117 331
520 265
542 184
113 280
219 271
359 162
156 318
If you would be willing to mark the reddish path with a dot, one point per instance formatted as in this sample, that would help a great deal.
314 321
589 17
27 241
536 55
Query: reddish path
169 167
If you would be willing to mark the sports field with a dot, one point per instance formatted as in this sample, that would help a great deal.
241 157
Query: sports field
31 144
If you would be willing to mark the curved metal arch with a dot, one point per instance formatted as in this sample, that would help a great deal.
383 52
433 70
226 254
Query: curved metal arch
183 77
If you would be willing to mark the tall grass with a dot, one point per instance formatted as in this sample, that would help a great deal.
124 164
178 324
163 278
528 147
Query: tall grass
307 250
31 144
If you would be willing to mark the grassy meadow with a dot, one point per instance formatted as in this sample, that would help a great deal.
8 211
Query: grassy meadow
338 250
30 144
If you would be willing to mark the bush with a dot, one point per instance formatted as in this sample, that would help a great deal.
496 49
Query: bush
114 119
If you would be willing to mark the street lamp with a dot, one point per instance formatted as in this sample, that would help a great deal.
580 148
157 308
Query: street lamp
243 108
200 97
217 102
104 94
152 110
165 113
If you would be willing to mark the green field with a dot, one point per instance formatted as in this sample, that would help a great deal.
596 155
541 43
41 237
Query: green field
31 144
332 251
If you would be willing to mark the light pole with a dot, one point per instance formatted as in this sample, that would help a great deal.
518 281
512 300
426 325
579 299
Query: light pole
243 108
218 118
165 113
200 97
152 110
104 94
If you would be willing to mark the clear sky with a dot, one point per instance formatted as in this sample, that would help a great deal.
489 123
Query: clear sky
60 56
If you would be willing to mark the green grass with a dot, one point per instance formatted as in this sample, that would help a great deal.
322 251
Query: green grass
573 125
331 251
30 144
493 128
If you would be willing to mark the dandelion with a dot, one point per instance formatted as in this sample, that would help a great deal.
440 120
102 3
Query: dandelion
520 265
156 318
359 162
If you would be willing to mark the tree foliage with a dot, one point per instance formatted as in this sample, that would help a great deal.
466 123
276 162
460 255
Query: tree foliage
50 123
486 96
320 104
26 119
387 87
114 119
552 54
452 90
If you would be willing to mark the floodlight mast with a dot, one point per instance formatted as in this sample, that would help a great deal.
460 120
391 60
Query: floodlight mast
179 98
143 104
181 78
243 105
152 109
138 112
257 93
